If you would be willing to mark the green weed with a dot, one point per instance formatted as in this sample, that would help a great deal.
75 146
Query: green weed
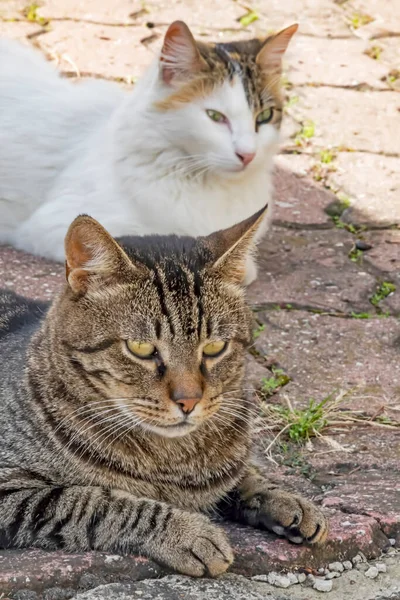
339 224
356 255
291 101
358 20
384 290
30 12
258 331
248 18
327 156
374 52
271 385
306 132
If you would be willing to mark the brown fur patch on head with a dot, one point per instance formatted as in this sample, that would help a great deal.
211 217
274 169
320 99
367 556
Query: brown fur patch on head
256 62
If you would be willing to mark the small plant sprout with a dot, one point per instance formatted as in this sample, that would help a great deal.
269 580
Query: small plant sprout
248 18
385 289
306 132
258 331
271 385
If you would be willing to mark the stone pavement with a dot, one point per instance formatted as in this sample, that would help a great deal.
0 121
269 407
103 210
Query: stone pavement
326 312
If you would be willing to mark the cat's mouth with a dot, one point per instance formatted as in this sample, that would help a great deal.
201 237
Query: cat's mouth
178 429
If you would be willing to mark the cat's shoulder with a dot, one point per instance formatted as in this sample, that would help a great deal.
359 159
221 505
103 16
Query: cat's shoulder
17 312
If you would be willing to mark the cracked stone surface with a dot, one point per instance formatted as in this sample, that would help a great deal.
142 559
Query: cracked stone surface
310 295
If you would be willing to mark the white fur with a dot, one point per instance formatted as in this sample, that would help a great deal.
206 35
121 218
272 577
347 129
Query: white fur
89 147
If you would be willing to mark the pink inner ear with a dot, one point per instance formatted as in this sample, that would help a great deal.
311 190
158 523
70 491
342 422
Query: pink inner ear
270 56
179 53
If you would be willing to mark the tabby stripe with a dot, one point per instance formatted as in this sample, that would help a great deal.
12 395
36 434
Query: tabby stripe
55 536
157 510
19 517
81 372
103 345
97 518
197 293
50 499
139 511
161 295
165 520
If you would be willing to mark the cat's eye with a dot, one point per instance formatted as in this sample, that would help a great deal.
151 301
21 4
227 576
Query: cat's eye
214 349
141 349
216 116
264 116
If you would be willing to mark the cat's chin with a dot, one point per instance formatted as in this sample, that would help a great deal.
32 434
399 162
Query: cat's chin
171 431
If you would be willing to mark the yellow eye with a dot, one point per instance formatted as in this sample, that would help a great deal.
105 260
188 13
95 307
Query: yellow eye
214 348
265 116
216 116
141 349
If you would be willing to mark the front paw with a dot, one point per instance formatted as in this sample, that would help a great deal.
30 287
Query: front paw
192 545
289 515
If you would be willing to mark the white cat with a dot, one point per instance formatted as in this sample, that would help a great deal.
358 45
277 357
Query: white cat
189 151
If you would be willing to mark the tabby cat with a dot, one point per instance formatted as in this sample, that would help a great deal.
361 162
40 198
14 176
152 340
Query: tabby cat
188 151
122 416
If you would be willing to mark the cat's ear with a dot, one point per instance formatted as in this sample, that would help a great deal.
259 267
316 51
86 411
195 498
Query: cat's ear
93 257
270 56
180 56
232 247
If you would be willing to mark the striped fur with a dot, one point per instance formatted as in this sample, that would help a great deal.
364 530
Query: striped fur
91 455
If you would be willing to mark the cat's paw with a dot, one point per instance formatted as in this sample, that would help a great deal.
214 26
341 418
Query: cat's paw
194 546
289 515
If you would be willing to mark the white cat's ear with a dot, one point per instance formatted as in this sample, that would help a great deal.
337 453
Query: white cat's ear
232 247
180 56
270 55
93 257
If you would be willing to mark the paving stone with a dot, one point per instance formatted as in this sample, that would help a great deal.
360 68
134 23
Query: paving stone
178 588
29 275
374 492
298 200
17 30
98 50
322 354
256 552
366 121
381 10
311 268
371 573
323 585
348 65
373 184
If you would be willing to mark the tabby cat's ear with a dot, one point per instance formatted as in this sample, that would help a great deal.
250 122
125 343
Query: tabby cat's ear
270 56
232 247
93 257
180 56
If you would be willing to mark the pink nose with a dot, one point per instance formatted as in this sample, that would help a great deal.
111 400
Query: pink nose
246 157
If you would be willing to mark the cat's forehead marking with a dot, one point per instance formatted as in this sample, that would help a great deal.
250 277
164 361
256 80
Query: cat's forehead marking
230 62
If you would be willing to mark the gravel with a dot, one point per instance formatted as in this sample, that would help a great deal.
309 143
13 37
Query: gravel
323 585
372 573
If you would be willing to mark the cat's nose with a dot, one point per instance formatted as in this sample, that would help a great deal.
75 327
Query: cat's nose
187 404
186 392
245 157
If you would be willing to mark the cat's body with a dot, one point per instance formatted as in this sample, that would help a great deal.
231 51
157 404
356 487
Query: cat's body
148 161
121 410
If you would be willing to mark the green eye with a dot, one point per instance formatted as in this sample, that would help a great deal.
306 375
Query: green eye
265 116
141 349
214 348
216 116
